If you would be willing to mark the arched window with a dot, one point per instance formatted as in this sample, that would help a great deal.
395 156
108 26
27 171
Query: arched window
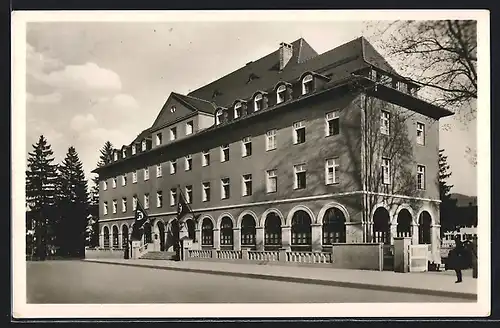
207 232
301 228
307 84
226 231
218 117
248 230
237 110
115 237
147 233
257 101
272 229
424 228
404 224
280 94
333 226
124 236
106 237
191 230
381 226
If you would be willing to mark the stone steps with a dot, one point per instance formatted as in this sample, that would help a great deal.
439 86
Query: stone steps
153 255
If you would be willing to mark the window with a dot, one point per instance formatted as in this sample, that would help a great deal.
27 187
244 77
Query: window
246 147
332 124
218 117
134 202
257 101
384 122
299 132
205 196
143 145
307 84
205 158
301 228
134 149
248 230
124 204
173 134
115 205
271 181
237 110
124 180
386 170
272 229
158 171
105 208
189 194
173 166
420 133
226 231
134 177
331 171
173 196
420 177
146 173
124 153
246 185
104 185
300 176
158 139
280 94
189 128
114 182
159 198
271 139
224 153
172 109
188 163
115 155
225 191
146 201
207 232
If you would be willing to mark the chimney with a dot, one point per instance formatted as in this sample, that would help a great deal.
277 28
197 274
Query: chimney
286 52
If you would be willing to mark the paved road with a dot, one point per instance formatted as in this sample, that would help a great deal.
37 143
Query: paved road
84 282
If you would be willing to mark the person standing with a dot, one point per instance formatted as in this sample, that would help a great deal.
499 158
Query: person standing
457 258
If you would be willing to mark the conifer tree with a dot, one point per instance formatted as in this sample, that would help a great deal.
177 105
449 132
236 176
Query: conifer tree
73 205
448 205
41 178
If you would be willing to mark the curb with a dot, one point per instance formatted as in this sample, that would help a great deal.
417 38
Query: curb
333 283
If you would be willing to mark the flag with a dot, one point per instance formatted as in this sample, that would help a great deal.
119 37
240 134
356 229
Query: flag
183 207
140 217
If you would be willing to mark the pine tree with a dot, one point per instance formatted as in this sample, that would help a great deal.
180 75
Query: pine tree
40 193
92 232
73 205
448 204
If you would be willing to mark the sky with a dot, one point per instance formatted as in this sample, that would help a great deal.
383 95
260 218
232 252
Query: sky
89 82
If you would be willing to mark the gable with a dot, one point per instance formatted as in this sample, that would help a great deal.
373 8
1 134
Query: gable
166 115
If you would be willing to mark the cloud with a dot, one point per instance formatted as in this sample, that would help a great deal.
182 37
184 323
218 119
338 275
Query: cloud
51 98
39 63
82 123
101 135
84 77
125 101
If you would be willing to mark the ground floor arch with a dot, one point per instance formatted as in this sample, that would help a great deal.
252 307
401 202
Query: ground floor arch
301 228
191 227
248 230
160 226
115 233
105 233
207 232
424 228
404 223
272 230
381 226
333 226
226 231
147 233
125 232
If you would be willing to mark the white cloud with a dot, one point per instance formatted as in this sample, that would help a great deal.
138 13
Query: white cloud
37 63
51 98
101 135
82 123
84 77
121 101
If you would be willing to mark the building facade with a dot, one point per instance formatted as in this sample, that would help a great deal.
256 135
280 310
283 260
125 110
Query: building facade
295 150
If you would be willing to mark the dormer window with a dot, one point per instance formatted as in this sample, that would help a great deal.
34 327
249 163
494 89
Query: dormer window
218 117
115 156
134 149
143 145
280 94
307 84
237 110
124 153
257 101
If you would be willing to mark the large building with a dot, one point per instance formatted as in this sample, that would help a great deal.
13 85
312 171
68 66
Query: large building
296 150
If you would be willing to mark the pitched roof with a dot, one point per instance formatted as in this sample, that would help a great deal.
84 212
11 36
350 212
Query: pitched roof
196 103
337 63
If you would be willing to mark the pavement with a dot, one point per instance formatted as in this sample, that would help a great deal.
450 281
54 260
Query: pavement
426 283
